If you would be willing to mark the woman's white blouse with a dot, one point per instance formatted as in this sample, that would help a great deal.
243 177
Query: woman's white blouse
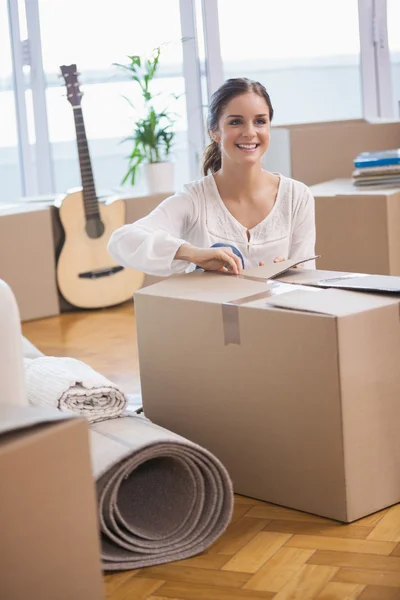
198 216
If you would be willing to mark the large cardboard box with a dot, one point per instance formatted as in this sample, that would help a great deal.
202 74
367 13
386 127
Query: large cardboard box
316 152
49 543
296 391
27 259
357 229
138 207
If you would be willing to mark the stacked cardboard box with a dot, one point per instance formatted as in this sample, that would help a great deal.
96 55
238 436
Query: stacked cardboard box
357 229
27 258
31 238
317 152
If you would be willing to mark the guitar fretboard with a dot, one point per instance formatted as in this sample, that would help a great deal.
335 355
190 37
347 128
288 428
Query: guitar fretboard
89 191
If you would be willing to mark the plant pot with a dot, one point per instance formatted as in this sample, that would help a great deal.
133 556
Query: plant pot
159 177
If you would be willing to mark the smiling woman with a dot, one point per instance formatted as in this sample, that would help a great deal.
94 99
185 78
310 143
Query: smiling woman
237 96
240 132
238 214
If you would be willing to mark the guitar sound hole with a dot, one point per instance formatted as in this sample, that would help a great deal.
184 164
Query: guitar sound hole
94 227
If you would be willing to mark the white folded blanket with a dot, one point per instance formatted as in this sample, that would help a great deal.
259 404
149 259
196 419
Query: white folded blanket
72 386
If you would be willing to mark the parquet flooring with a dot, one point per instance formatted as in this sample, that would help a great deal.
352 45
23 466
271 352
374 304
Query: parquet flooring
268 551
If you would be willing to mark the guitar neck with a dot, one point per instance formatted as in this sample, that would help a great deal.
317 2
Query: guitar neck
91 204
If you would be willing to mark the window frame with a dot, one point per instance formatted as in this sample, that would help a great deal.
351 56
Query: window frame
37 175
376 74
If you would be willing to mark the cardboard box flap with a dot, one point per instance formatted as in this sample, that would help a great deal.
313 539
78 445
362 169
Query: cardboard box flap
276 269
360 282
274 288
335 303
216 287
368 283
311 277
17 417
205 287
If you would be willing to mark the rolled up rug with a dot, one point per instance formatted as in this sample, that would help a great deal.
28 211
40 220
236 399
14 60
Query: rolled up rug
72 386
161 497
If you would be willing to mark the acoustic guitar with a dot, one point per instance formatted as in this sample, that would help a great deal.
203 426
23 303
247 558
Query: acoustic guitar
87 276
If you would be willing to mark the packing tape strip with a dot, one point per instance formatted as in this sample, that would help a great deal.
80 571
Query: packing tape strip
230 323
230 313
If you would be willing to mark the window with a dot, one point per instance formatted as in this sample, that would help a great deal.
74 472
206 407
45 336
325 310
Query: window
94 36
306 53
393 21
9 159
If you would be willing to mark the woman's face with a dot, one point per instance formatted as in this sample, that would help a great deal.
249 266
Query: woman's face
244 129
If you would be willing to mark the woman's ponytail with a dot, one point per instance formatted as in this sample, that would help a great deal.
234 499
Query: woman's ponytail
212 158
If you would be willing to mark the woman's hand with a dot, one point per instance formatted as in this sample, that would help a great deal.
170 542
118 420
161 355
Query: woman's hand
276 260
211 259
280 259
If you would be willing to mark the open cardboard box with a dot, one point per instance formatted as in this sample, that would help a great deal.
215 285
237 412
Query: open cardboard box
49 543
296 389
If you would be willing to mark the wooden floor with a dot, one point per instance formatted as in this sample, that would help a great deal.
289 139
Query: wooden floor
267 551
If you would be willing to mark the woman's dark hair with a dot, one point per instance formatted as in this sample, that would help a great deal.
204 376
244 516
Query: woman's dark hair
218 101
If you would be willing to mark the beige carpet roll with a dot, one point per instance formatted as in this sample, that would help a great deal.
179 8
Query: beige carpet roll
161 497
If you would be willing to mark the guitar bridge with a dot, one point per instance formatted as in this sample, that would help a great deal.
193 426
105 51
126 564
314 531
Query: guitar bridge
97 273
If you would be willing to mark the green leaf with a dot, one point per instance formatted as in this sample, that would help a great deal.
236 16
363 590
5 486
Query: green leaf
129 101
127 67
125 179
127 139
135 60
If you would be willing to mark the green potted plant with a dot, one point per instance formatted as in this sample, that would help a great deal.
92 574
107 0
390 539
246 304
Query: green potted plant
153 132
